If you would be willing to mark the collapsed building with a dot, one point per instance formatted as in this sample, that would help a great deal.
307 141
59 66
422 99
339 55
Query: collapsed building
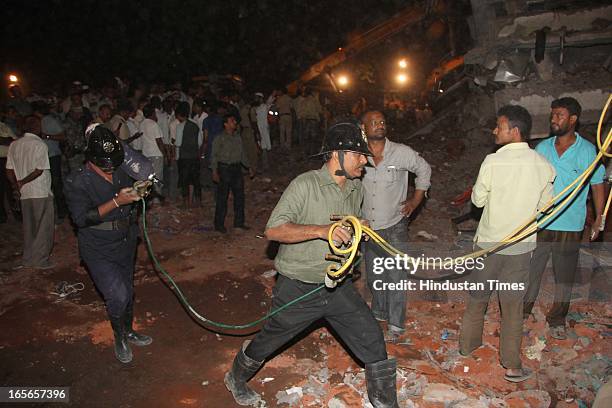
529 52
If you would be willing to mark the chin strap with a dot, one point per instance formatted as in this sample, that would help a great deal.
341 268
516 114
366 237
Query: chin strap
341 172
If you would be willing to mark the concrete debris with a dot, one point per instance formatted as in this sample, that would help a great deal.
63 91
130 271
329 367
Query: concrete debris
335 403
269 273
427 236
411 385
323 375
534 352
565 355
267 379
529 398
291 396
315 388
443 393
471 403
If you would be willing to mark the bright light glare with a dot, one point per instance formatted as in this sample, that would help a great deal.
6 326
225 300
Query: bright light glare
13 78
402 78
343 80
403 63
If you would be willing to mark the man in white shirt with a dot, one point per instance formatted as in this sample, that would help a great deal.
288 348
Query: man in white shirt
29 173
512 185
153 142
165 116
198 112
261 110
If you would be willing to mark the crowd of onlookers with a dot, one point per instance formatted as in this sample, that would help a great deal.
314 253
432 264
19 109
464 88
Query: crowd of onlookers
147 118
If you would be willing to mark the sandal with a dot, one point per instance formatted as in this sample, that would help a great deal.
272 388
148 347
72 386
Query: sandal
526 374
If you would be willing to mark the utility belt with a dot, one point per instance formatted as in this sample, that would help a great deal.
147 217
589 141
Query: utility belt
115 225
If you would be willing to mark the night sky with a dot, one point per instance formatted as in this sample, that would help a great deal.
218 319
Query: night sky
266 41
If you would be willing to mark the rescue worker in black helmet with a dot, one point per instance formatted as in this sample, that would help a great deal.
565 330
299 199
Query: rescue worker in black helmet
101 201
300 223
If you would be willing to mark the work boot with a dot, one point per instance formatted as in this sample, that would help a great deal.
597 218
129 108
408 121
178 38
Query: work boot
380 379
132 336
235 380
122 348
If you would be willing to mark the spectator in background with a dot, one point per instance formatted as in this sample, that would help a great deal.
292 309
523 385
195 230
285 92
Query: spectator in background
198 113
105 113
189 143
18 102
247 134
261 112
284 104
227 160
6 138
118 123
311 114
52 131
153 144
28 171
74 127
211 126
164 117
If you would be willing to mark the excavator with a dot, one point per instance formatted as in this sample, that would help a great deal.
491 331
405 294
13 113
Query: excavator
405 18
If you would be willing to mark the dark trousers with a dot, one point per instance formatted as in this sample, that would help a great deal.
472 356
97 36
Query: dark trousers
5 190
506 269
565 247
388 305
57 186
230 178
113 274
189 174
341 307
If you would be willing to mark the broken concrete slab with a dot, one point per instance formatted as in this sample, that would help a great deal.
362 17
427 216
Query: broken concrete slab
443 393
529 399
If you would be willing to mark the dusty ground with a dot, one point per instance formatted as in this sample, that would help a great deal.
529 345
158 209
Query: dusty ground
46 341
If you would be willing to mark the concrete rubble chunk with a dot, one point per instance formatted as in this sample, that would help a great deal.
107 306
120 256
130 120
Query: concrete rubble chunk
336 403
291 396
532 398
443 393
534 352
471 403
315 388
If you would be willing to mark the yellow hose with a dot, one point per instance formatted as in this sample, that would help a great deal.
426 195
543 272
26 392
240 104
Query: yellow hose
336 272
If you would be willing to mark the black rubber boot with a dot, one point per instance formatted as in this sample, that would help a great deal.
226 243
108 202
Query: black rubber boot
236 380
380 378
132 336
122 348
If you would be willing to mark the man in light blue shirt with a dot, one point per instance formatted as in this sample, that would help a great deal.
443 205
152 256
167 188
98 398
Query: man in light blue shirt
570 154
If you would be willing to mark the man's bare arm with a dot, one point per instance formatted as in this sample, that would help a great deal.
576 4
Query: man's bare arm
291 233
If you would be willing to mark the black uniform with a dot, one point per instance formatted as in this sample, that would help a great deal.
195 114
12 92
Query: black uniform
106 244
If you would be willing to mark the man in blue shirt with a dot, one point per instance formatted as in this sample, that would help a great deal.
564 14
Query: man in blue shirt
570 154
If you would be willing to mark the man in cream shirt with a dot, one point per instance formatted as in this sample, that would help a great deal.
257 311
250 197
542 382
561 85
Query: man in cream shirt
28 170
512 185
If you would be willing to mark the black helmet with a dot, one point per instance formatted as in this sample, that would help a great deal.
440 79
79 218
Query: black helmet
103 148
346 135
